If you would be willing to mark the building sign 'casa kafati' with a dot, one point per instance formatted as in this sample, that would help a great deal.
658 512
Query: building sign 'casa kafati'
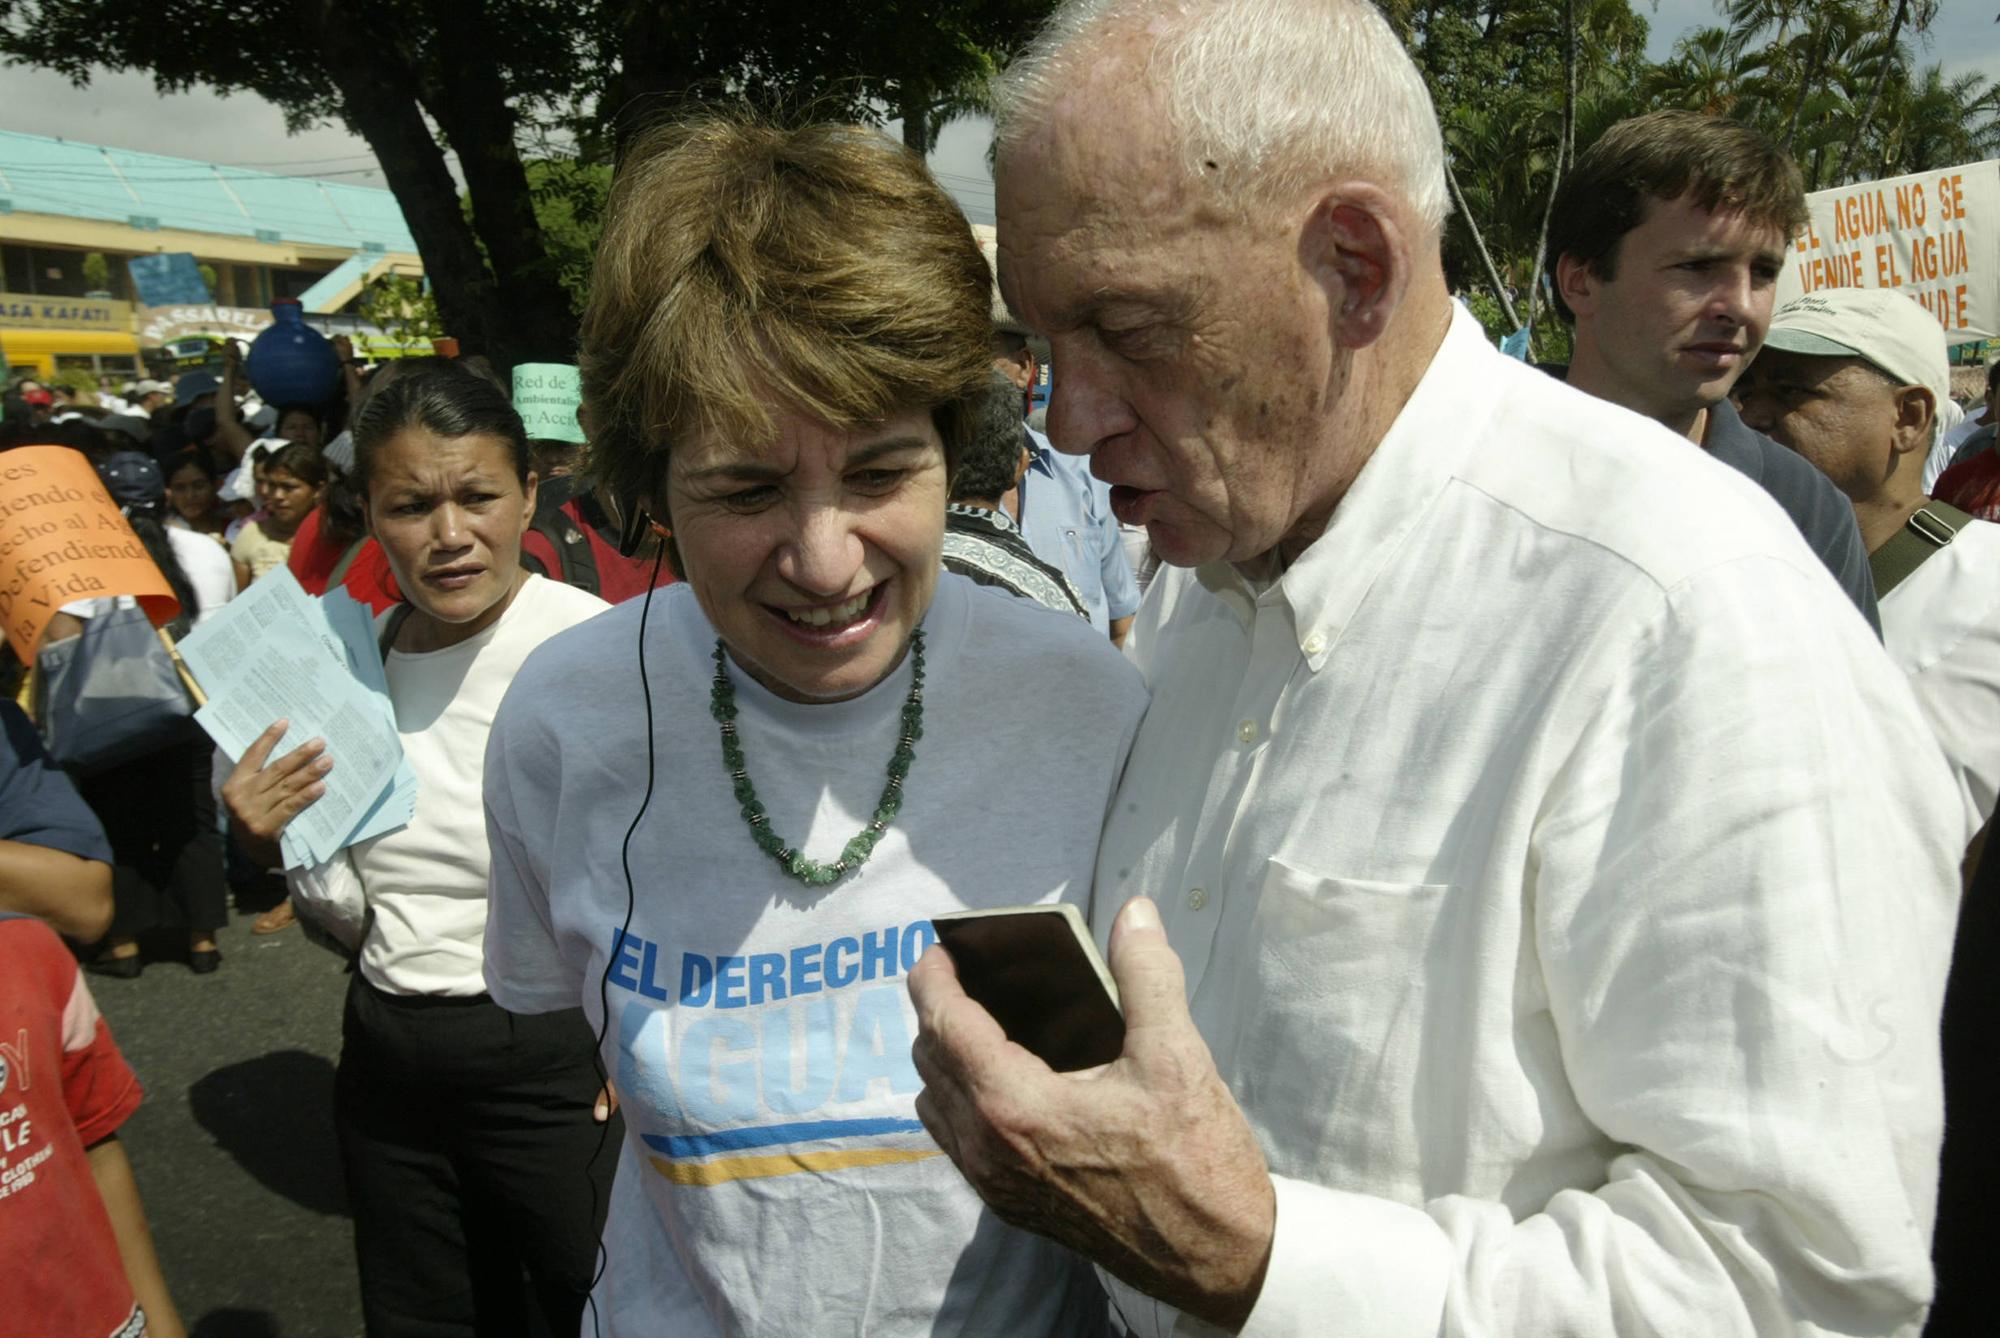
20 311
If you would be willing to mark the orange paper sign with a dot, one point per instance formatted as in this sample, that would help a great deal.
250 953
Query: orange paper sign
62 538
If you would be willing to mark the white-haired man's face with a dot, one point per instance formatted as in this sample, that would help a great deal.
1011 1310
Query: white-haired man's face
1191 349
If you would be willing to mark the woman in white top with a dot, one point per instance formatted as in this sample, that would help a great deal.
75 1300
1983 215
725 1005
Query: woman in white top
290 482
194 506
729 842
466 1130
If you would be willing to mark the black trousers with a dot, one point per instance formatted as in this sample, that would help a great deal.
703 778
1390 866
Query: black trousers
159 815
1968 1292
477 1177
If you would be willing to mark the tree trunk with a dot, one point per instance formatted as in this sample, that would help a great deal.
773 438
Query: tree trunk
1570 40
1874 94
913 105
378 93
469 103
1892 146
651 53
1564 147
1479 243
1812 72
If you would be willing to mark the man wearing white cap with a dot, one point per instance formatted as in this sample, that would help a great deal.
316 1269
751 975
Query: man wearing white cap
1851 378
149 397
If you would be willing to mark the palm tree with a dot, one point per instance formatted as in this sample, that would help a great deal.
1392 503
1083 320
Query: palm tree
1919 15
1565 154
1938 122
1471 223
1836 29
1753 17
1705 73
1518 86
1801 59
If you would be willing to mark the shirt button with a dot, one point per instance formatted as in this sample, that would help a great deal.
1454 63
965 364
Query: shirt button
1197 899
1247 731
1314 644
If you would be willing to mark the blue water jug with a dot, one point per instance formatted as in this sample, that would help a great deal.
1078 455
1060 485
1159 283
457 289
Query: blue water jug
292 363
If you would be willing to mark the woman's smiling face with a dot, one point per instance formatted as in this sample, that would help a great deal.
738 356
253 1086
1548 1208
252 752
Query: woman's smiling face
815 557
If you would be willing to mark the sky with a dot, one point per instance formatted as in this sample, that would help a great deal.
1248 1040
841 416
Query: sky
124 111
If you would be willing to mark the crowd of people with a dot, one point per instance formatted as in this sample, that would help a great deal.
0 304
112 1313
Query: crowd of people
1527 815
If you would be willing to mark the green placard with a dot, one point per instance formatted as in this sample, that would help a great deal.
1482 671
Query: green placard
547 395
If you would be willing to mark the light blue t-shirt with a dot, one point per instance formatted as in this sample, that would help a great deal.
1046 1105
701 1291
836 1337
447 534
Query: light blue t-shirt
774 1178
1066 518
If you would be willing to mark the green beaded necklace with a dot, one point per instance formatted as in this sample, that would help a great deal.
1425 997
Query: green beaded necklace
722 705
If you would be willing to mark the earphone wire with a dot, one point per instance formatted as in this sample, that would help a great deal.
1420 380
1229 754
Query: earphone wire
618 943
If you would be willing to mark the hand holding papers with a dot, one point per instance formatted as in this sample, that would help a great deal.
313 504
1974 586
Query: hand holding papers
273 653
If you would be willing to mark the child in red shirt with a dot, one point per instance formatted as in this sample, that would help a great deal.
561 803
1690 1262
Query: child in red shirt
80 1256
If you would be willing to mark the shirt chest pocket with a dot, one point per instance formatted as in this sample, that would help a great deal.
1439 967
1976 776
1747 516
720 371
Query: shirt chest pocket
1078 554
1334 1012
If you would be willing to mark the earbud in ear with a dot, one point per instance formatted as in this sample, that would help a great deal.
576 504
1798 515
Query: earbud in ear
637 521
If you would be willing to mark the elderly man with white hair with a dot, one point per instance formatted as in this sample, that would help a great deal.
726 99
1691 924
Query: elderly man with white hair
1533 918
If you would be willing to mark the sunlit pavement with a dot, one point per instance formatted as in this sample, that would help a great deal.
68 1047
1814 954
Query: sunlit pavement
234 1145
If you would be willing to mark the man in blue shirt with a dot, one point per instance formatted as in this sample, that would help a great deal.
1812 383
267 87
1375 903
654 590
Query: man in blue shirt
1666 241
1065 513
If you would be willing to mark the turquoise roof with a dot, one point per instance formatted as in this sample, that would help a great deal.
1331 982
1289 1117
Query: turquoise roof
62 176
334 284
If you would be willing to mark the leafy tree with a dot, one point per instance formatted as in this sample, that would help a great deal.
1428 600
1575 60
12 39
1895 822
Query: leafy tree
488 77
569 196
927 85
401 307
1836 80
1517 86
1919 17
1931 121
536 97
1707 72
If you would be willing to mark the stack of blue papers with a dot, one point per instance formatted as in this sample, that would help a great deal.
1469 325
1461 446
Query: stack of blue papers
275 652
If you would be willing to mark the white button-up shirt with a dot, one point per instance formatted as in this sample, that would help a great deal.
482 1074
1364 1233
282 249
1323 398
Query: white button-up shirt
1941 624
1565 881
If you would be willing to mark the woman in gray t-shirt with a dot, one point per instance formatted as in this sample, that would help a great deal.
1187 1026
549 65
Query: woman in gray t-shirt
762 782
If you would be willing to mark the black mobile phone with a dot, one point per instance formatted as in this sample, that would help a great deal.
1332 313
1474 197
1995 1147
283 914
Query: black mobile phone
1036 970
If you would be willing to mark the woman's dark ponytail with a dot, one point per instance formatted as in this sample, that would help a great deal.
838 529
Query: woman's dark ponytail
145 522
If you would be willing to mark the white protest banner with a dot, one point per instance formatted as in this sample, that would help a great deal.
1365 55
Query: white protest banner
1934 235
546 395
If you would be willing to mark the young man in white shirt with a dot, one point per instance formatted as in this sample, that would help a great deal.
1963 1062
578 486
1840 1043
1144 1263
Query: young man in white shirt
1548 916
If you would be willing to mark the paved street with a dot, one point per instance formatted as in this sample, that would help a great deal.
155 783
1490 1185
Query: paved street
234 1146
